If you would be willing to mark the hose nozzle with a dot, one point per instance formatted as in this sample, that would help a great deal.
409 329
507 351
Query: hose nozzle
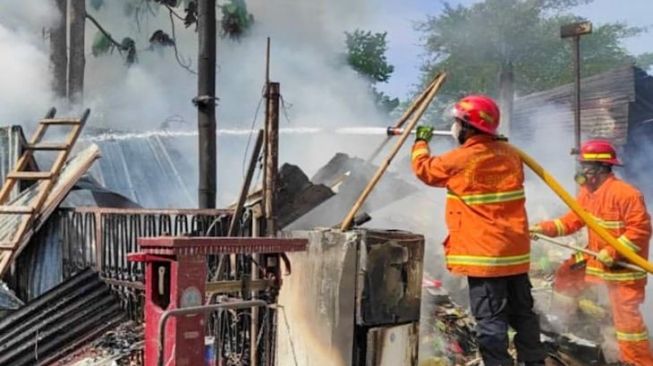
396 131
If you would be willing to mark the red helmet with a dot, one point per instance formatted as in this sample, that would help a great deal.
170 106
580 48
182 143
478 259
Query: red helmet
600 151
479 111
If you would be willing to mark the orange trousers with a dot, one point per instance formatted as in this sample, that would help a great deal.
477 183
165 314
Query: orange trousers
625 300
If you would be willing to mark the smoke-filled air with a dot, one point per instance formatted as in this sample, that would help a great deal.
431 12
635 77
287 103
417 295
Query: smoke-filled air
419 248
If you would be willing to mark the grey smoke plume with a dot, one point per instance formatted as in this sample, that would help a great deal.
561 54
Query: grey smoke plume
24 91
319 89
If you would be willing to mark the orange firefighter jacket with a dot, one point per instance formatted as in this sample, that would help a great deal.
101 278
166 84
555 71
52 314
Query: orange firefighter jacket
485 213
618 207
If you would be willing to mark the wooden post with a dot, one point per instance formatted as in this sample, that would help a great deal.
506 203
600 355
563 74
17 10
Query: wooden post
346 223
76 58
272 159
246 184
205 101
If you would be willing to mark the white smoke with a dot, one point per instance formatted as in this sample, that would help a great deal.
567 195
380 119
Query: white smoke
24 89
307 57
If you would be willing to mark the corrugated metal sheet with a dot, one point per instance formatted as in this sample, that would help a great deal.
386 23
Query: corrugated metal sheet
147 170
74 313
73 239
605 103
11 146
38 267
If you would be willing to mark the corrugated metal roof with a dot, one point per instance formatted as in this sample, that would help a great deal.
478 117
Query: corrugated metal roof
147 170
605 102
71 314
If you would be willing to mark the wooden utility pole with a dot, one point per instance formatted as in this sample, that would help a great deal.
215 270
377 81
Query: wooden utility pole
59 51
272 158
205 102
76 60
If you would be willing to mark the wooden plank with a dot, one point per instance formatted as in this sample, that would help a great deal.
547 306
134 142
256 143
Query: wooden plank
60 121
26 159
49 193
30 175
67 179
225 287
45 146
16 209
58 165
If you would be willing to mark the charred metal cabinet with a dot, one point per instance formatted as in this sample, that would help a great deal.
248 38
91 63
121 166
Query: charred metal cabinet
352 299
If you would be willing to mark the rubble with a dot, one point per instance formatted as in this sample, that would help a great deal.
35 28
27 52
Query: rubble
59 321
119 347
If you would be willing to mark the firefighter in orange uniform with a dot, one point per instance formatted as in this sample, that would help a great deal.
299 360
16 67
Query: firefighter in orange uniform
618 207
488 229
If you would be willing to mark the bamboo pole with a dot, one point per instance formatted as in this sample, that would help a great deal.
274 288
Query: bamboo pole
346 223
583 250
404 117
244 191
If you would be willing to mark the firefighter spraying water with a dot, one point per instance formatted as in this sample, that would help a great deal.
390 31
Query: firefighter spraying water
488 238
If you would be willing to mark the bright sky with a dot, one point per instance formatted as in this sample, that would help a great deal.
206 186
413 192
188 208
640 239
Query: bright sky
398 17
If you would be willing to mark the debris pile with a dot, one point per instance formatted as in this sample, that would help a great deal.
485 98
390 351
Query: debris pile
447 330
120 347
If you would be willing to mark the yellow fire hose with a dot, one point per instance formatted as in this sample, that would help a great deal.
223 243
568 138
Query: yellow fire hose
589 221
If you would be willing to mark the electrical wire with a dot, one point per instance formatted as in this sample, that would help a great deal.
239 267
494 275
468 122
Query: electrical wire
251 132
285 109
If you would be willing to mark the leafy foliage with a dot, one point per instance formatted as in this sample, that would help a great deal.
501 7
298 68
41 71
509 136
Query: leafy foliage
473 43
366 54
645 60
101 44
384 102
129 46
171 3
236 21
191 14
96 4
161 38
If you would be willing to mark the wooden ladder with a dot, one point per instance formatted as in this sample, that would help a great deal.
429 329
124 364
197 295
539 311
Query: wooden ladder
45 180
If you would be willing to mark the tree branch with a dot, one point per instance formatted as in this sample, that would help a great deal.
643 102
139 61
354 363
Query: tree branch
174 13
185 65
106 34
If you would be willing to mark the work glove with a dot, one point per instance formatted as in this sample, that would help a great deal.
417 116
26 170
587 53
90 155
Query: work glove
605 258
535 229
424 133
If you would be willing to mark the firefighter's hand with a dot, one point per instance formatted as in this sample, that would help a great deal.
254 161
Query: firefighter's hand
424 133
605 257
535 229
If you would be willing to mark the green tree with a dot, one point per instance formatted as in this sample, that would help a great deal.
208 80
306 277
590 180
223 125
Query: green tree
366 54
474 43
235 23
236 20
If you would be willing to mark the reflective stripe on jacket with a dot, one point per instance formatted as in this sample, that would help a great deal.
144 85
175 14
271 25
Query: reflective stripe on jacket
619 208
485 214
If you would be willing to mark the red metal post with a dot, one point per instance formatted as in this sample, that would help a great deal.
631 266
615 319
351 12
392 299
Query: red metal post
173 282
